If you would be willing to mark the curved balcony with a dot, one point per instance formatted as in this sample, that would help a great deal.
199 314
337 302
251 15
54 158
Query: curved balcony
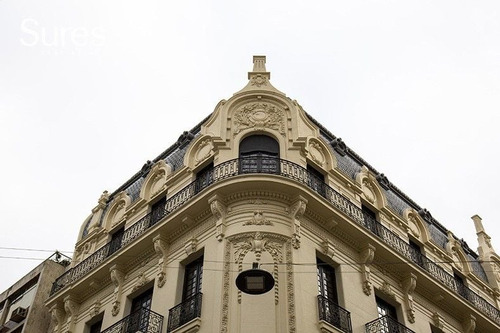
386 324
295 172
143 320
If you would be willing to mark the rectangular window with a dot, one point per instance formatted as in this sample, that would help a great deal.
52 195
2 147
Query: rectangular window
139 312
388 316
460 285
192 279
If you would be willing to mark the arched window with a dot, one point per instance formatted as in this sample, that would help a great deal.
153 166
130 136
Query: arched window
259 153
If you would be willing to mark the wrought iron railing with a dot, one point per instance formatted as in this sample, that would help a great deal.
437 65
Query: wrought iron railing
297 173
334 314
386 324
184 312
144 321
431 267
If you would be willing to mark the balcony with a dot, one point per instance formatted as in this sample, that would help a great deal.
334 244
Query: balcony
144 320
290 170
386 324
184 312
334 314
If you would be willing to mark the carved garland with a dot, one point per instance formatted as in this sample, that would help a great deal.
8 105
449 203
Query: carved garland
258 242
259 115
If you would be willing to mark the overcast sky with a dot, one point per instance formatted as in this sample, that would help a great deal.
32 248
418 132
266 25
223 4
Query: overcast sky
90 90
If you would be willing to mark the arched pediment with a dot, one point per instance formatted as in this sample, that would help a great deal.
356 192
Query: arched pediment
117 209
416 226
201 149
318 152
156 180
371 190
460 261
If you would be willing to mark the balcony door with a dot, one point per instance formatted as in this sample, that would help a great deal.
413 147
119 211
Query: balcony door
259 153
387 313
328 296
139 313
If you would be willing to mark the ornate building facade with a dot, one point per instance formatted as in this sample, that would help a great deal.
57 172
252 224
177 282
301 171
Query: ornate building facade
260 181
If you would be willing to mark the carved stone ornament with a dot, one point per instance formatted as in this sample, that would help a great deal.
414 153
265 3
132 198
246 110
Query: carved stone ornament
413 226
258 242
496 271
367 255
71 308
95 309
438 320
259 115
316 153
369 191
58 316
204 151
258 80
386 288
328 248
258 219
160 247
190 246
117 278
409 285
219 211
297 209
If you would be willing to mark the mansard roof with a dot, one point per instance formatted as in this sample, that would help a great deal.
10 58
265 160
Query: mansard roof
349 163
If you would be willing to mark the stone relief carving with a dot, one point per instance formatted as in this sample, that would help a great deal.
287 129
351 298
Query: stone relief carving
57 314
160 247
438 320
95 309
413 225
258 80
117 278
316 153
366 256
71 308
190 246
386 288
219 211
205 150
369 191
409 285
258 219
258 242
259 115
297 210
328 248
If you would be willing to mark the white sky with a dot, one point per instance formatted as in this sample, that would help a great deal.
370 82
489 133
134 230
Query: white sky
90 90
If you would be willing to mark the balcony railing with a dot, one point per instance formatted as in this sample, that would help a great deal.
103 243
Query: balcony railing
144 321
184 312
290 170
386 324
334 314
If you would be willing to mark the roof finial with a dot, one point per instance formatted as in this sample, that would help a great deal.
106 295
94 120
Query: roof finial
259 63
259 76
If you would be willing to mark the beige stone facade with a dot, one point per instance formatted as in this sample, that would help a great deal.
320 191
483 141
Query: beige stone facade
261 181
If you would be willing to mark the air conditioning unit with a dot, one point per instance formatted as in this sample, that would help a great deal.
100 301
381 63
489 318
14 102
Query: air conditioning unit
19 314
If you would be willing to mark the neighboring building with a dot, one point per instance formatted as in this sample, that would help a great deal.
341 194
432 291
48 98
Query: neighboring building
22 307
260 180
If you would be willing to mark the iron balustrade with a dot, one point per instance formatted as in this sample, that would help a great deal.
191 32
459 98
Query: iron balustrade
334 314
144 320
386 324
293 171
184 312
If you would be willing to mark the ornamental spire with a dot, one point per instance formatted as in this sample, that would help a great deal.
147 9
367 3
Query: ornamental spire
259 77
